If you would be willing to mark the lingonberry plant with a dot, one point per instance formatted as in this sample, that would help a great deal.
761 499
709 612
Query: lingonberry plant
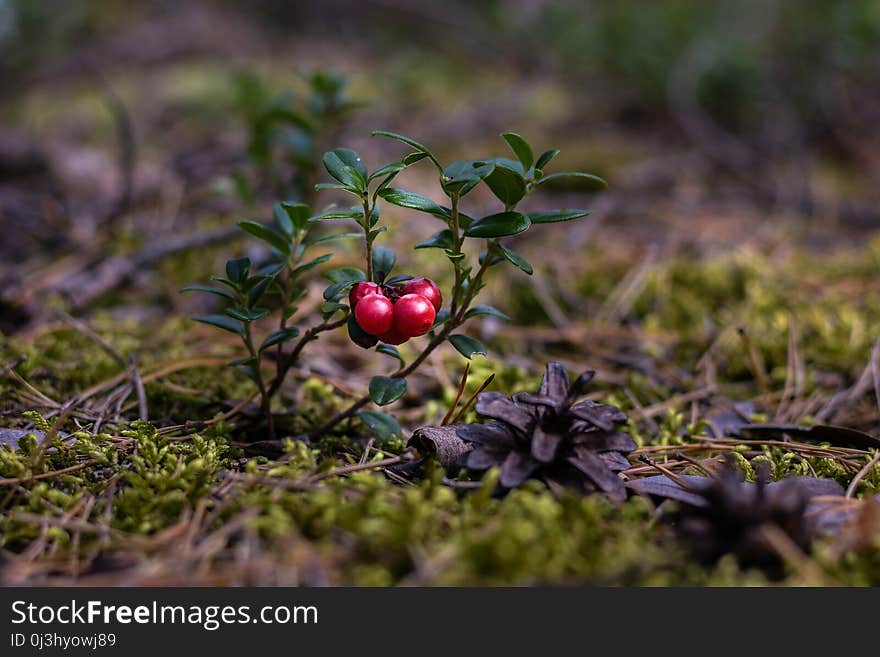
383 310
252 294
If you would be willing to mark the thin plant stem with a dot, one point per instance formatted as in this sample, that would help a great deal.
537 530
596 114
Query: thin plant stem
368 243
457 241
261 384
288 360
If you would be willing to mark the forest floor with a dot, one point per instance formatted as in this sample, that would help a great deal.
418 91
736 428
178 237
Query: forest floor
704 300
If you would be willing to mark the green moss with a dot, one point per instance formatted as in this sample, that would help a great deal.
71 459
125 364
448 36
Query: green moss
367 529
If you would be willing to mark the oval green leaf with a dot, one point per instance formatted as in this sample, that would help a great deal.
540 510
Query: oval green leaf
298 214
477 311
391 350
407 199
385 390
409 142
440 240
515 259
299 269
545 157
267 235
383 262
210 290
382 424
467 346
247 314
588 180
508 184
237 269
555 216
520 148
499 225
347 167
222 322
345 274
279 337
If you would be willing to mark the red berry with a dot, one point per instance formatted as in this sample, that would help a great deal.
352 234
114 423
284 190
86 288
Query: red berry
393 337
374 314
427 288
360 290
413 315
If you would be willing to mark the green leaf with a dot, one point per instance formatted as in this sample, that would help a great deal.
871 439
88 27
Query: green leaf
412 158
388 169
266 234
378 231
554 216
249 371
545 158
476 311
513 165
383 262
322 186
279 337
454 255
515 259
374 215
393 174
441 318
462 176
247 314
400 278
330 308
521 148
256 288
210 290
588 180
237 270
283 220
383 424
467 346
299 215
413 201
224 280
222 322
439 240
410 142
391 350
357 335
332 238
345 274
494 255
338 289
507 183
385 390
271 269
347 167
238 362
354 213
498 225
299 269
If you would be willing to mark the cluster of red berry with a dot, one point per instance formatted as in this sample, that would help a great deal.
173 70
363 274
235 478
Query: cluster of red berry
396 314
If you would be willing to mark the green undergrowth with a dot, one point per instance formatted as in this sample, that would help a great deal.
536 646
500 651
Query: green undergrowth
685 307
829 302
363 529
139 485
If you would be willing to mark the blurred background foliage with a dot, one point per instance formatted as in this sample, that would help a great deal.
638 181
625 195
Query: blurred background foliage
750 80
754 60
